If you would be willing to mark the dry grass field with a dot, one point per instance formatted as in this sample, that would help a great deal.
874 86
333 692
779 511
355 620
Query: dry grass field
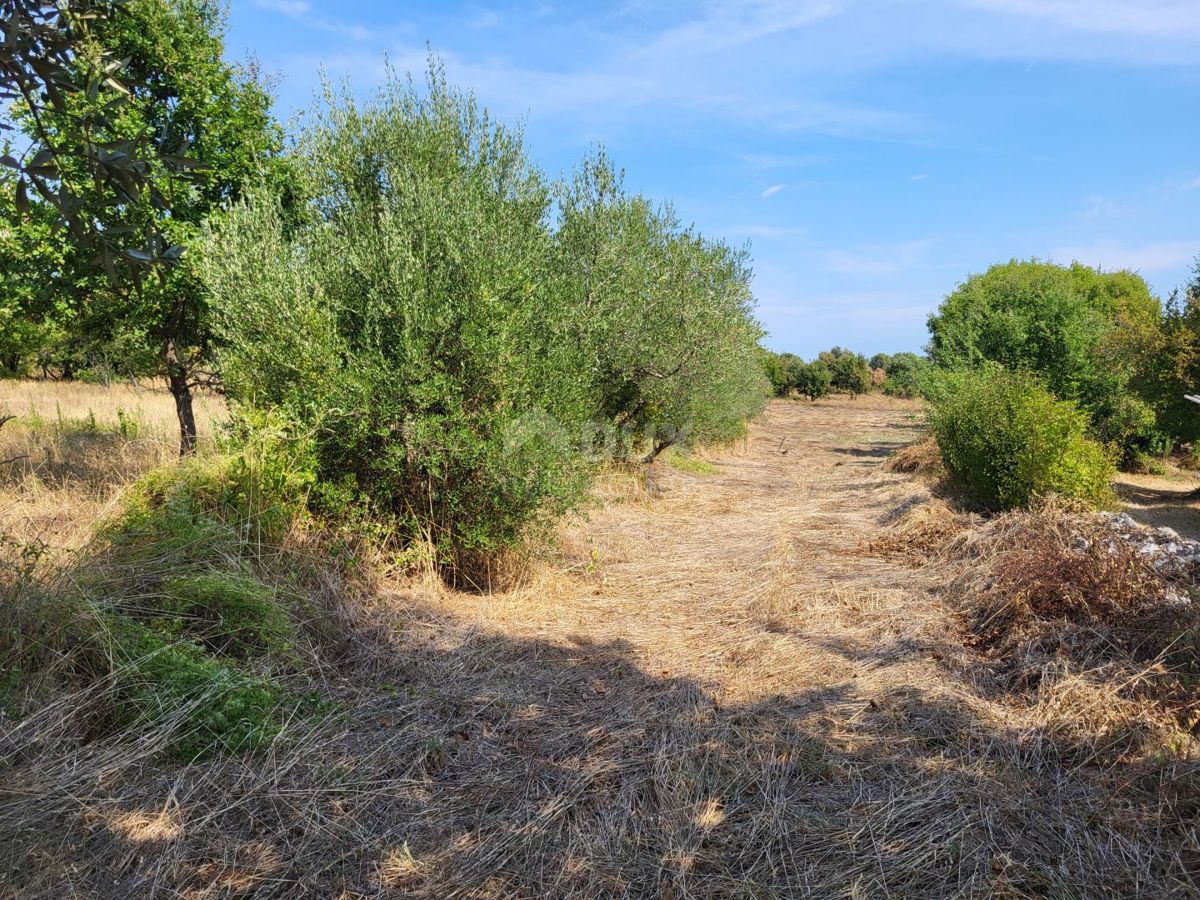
72 446
777 675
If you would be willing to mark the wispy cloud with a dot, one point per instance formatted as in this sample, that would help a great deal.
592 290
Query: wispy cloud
771 191
301 11
487 18
1193 185
918 177
876 260
732 22
1168 18
1099 207
292 8
1144 258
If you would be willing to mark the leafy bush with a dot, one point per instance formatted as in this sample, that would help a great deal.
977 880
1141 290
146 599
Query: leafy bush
1082 332
907 374
1169 364
772 365
460 367
221 707
255 490
849 371
814 379
881 361
410 328
1006 439
663 316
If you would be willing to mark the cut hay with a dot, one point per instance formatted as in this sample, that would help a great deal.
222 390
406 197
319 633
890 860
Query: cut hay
919 458
708 694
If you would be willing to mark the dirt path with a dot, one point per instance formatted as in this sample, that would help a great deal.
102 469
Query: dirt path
712 693
748 581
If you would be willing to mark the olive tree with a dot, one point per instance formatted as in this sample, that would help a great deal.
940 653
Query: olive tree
409 328
663 316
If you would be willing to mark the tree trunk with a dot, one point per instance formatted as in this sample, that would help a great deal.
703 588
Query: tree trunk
181 390
653 454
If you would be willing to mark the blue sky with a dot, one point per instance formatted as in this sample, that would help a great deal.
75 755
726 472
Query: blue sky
873 152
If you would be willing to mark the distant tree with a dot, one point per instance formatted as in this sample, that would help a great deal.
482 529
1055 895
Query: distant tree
773 368
849 370
813 379
1082 331
881 361
1169 363
792 366
905 375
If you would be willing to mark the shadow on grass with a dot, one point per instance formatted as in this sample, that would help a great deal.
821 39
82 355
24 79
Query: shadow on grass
472 764
1156 508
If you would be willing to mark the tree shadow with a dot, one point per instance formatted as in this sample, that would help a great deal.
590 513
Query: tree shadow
1163 507
875 451
466 763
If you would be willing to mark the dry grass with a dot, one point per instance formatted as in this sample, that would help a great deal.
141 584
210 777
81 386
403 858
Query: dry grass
72 446
921 457
710 692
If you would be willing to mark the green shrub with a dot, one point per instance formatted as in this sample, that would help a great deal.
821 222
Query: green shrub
907 375
813 379
257 488
232 612
663 317
1084 333
217 706
459 366
1007 440
848 371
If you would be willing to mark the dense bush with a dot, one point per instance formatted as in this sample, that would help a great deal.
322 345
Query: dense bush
410 327
813 379
1169 364
849 371
1006 439
662 315
459 365
907 375
776 374
1081 331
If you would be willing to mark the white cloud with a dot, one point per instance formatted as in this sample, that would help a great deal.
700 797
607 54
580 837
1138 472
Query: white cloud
1166 18
878 259
301 11
918 177
293 8
1145 258
1099 207
487 18
771 191
1193 185
727 23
